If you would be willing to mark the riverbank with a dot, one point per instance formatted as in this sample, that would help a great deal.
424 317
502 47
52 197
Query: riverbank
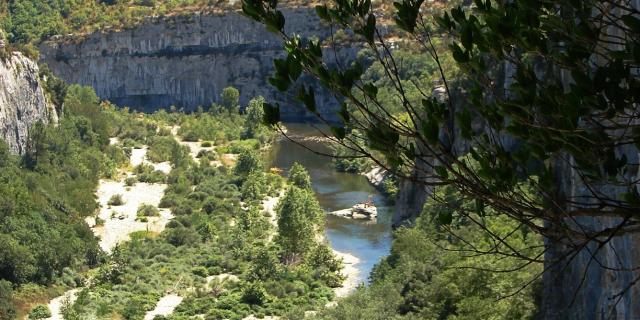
351 273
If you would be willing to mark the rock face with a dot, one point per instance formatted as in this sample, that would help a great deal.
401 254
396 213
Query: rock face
185 61
22 101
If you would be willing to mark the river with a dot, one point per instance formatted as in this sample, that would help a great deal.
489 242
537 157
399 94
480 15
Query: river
368 241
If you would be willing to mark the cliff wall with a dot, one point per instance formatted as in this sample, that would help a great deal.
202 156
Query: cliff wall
185 61
23 101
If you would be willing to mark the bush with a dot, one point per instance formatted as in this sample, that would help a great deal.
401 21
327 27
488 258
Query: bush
146 210
40 311
254 294
7 309
206 144
200 271
146 173
130 181
115 200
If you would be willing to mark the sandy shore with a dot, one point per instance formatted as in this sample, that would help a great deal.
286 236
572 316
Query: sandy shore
351 273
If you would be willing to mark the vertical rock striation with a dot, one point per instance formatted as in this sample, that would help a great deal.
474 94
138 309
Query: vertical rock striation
23 101
185 61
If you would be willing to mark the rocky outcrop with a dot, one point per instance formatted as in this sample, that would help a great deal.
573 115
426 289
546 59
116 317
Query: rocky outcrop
185 61
23 101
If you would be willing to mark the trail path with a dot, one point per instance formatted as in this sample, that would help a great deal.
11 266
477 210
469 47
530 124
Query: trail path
56 304
165 306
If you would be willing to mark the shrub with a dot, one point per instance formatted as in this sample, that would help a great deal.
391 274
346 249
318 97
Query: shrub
115 200
210 205
200 271
146 210
206 144
146 173
130 181
40 311
181 209
7 309
169 201
253 293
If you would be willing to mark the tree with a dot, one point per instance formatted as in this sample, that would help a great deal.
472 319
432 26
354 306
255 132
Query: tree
7 309
299 215
299 176
248 161
253 121
230 99
548 95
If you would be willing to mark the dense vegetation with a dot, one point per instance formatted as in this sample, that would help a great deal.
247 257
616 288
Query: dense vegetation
449 269
546 96
29 21
217 252
45 195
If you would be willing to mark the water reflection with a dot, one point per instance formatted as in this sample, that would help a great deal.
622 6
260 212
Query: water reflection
369 241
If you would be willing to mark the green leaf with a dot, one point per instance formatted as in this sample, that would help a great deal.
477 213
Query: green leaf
445 217
323 13
430 131
368 30
370 89
632 22
466 37
271 114
344 114
458 54
442 172
339 132
294 68
480 205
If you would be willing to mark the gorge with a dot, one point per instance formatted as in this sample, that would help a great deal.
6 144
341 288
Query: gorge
513 163
185 61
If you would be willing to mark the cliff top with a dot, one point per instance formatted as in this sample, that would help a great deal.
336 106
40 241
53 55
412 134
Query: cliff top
31 21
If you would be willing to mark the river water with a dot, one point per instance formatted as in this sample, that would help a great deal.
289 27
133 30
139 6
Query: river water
368 241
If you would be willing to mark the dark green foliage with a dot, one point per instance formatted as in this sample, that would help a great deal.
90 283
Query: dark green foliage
230 99
347 160
39 312
253 126
299 215
147 210
44 197
7 310
428 276
218 128
34 20
255 186
146 173
248 161
299 177
161 148
325 266
253 293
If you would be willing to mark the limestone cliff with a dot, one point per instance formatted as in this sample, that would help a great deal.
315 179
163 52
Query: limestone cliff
23 101
184 61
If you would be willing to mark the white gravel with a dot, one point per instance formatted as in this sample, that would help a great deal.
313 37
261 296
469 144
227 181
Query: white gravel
164 307
120 221
56 304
